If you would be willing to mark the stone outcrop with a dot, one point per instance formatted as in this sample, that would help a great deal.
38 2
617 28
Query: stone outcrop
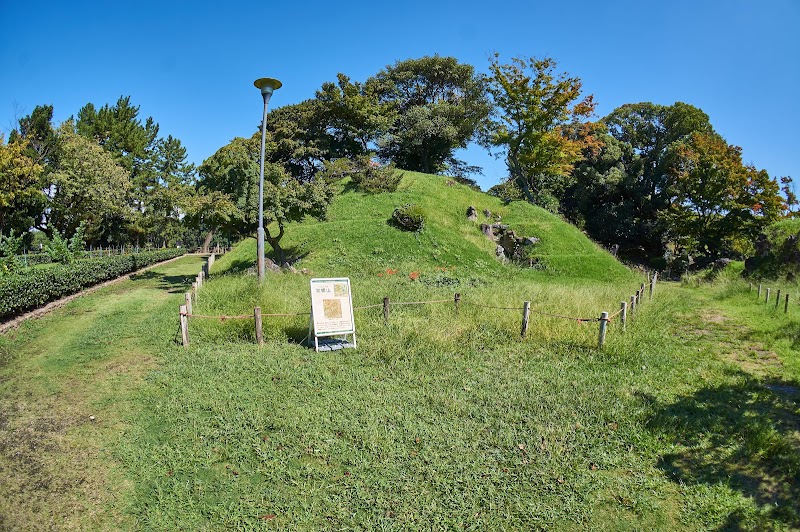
509 245
472 214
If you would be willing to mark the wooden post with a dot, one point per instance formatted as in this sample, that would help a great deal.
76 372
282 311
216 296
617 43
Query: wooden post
259 331
766 300
653 284
624 314
386 310
633 305
601 339
638 298
526 313
194 292
759 291
189 302
777 298
456 301
184 326
786 306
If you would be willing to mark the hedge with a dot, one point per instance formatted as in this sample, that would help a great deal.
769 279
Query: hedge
23 291
31 259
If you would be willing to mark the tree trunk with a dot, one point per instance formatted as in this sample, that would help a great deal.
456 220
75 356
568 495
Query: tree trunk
274 242
207 241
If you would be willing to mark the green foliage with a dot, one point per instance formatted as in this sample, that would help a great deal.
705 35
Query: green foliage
778 252
20 292
9 248
365 175
77 242
90 188
21 196
717 205
438 105
234 171
409 217
536 110
353 115
58 249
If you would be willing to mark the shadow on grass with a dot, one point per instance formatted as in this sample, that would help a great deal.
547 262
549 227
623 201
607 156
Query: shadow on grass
174 284
745 436
791 332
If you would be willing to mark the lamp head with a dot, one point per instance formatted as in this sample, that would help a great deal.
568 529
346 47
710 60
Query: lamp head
267 86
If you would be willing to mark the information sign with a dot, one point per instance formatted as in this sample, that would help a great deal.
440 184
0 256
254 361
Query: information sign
331 310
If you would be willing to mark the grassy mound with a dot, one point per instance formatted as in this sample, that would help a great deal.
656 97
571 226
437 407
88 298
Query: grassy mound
357 240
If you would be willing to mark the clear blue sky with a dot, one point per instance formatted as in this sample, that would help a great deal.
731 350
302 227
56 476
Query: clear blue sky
191 65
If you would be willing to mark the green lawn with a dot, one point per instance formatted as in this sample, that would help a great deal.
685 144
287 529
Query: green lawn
438 420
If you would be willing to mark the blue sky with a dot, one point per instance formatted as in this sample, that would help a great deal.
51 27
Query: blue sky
191 65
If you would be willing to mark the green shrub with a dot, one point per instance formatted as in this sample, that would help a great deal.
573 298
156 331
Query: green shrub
409 217
365 175
377 179
27 290
58 249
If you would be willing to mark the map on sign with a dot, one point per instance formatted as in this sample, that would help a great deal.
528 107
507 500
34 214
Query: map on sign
332 307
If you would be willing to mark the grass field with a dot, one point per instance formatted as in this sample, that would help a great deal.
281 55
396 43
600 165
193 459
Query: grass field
688 420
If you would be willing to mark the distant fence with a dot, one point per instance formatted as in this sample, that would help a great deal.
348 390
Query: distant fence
626 310
768 297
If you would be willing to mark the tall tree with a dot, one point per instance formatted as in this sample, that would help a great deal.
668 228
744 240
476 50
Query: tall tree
629 209
353 115
120 131
234 171
717 205
36 129
22 201
88 186
537 109
436 105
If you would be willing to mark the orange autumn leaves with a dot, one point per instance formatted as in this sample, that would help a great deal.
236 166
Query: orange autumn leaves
413 275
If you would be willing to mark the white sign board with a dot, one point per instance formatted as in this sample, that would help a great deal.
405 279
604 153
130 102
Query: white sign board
332 307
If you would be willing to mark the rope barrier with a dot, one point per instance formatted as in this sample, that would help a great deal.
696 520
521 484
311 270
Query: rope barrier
571 318
617 313
490 307
419 302
579 320
243 316
220 318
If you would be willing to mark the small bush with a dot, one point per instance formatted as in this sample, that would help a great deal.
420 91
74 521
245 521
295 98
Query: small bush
409 217
27 290
377 179
365 175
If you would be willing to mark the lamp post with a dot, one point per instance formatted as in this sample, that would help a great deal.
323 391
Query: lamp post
267 86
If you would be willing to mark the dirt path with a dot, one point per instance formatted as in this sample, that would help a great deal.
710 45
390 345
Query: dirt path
41 311
65 384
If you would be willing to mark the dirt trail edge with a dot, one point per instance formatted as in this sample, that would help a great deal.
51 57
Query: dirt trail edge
41 311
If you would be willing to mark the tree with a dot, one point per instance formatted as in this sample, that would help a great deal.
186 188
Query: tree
234 171
22 201
299 140
36 130
597 198
789 196
620 195
87 186
535 109
121 133
173 184
353 115
717 205
435 105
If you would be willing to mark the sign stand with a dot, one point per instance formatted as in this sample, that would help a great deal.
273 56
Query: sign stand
331 320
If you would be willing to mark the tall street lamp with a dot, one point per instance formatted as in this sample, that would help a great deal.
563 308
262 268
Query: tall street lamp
267 86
